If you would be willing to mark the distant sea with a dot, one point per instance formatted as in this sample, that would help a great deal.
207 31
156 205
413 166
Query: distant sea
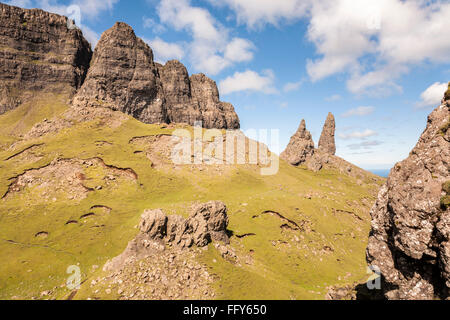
381 173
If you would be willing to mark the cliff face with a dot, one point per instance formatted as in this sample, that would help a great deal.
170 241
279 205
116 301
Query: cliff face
123 76
38 52
410 237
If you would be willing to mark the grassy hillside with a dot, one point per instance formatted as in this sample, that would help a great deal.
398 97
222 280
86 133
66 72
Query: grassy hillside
74 197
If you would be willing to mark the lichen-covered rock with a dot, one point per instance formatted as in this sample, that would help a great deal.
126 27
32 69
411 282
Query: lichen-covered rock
327 142
39 53
154 223
208 222
409 240
124 77
300 147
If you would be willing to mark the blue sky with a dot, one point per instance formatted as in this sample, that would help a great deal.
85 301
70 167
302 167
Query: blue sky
380 66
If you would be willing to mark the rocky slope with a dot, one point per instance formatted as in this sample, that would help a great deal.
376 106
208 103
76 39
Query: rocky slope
124 77
410 236
38 53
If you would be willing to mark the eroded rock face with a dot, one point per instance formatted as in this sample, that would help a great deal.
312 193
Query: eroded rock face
300 148
123 76
208 222
38 52
410 236
327 141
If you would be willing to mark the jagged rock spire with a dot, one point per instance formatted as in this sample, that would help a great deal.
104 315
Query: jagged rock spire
327 141
300 148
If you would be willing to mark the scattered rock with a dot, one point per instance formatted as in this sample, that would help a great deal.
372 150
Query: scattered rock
208 222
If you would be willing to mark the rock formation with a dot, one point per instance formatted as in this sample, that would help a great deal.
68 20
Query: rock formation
300 147
39 52
123 76
410 236
327 142
207 222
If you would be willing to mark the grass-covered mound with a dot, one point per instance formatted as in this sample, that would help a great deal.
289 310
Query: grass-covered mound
74 197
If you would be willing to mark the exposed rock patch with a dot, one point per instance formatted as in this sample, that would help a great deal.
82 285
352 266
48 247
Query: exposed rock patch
38 52
410 237
162 275
64 178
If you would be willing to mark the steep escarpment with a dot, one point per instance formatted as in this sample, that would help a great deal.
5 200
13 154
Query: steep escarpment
410 237
123 76
38 53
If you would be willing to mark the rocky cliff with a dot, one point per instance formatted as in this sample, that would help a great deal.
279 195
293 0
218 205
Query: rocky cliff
41 52
38 52
410 237
123 76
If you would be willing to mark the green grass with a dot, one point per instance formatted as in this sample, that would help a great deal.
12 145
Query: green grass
32 265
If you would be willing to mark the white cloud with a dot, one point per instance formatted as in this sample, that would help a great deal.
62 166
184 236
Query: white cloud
239 50
335 97
19 3
364 145
77 10
256 13
360 111
372 42
433 95
149 23
94 8
249 81
164 51
358 135
292 86
211 49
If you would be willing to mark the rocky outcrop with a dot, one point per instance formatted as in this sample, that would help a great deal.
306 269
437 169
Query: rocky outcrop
327 141
208 222
123 76
300 147
410 237
38 52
